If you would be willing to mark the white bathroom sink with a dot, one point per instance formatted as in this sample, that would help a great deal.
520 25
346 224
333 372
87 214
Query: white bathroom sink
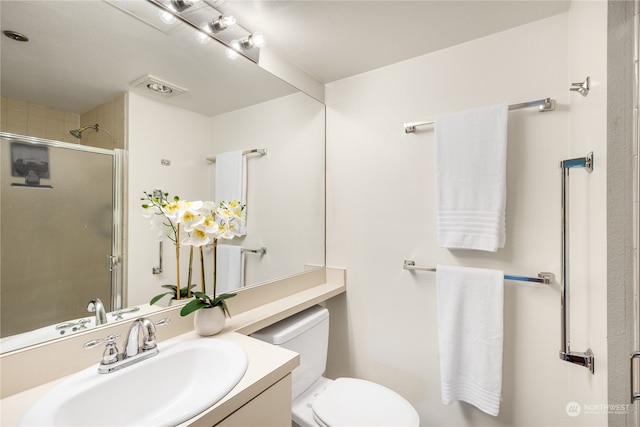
183 380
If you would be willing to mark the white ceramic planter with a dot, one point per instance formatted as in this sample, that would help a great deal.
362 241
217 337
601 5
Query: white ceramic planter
209 321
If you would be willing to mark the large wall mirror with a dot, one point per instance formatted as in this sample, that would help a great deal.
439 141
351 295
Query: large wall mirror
82 66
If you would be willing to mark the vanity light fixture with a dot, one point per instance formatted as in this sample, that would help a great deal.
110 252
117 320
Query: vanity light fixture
256 40
182 5
222 22
223 28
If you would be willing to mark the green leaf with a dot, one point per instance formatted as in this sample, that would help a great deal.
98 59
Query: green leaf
185 291
192 306
220 301
158 297
220 298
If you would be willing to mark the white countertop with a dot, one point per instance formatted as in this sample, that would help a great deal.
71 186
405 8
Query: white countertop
267 363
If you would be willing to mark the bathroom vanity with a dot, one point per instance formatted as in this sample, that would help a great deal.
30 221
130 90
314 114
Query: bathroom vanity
261 397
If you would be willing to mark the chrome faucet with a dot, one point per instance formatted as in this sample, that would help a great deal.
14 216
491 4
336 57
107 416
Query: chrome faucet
133 345
139 345
95 305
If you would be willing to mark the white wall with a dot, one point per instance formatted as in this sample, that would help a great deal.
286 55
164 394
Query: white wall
381 210
156 132
285 189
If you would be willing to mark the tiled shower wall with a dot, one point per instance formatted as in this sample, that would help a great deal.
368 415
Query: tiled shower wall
24 118
111 118
29 119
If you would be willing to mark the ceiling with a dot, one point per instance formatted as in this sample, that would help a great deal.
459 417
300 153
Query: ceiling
333 39
83 53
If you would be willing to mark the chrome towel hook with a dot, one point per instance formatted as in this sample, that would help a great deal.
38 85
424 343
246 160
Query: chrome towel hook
582 88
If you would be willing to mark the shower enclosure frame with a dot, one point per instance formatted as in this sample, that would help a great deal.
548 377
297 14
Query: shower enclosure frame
635 379
114 262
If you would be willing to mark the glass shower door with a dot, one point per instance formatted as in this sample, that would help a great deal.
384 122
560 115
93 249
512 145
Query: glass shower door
57 232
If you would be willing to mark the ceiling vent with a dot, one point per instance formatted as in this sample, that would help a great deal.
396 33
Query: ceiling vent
152 84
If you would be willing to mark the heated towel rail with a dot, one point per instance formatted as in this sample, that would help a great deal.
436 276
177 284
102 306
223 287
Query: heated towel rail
543 277
586 358
546 104
259 151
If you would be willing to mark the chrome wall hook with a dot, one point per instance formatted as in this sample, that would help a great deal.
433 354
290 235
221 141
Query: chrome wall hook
581 88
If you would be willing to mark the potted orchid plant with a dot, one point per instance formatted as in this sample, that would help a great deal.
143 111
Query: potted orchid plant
195 224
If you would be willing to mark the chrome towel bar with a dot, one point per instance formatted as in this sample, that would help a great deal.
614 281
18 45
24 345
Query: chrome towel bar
546 104
543 277
261 251
585 359
259 151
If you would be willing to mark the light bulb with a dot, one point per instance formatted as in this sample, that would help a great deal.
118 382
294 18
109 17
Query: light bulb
258 40
228 19
232 51
182 5
202 36
222 22
167 17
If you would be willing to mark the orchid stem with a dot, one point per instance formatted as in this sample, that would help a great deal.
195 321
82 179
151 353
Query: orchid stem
177 262
215 250
190 272
202 286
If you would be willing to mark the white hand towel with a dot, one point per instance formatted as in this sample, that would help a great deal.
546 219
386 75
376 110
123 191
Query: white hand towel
471 175
470 329
229 268
231 179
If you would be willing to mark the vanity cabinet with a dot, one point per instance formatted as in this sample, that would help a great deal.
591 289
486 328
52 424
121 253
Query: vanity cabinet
272 407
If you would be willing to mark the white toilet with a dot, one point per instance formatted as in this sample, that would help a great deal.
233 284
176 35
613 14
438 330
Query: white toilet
318 401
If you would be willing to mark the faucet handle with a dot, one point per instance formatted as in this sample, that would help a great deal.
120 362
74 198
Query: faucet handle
118 314
110 354
149 340
163 321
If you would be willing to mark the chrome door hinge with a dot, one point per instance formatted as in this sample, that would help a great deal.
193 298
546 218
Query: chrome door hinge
635 381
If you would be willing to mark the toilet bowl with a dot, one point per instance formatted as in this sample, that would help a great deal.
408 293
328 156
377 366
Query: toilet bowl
319 401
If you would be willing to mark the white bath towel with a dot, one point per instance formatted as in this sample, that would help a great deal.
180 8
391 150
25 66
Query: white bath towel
231 179
471 178
229 268
470 329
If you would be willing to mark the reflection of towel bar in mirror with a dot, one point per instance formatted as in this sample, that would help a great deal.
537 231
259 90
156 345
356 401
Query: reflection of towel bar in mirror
543 277
546 104
260 151
261 251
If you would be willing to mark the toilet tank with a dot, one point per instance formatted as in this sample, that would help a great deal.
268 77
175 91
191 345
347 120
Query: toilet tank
306 333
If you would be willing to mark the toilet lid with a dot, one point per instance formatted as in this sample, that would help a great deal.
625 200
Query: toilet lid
355 402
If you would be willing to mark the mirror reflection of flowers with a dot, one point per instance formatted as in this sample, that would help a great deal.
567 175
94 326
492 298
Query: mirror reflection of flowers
194 224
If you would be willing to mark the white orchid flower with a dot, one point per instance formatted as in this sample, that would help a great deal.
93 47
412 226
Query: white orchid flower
192 216
209 225
196 238
226 231
175 211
